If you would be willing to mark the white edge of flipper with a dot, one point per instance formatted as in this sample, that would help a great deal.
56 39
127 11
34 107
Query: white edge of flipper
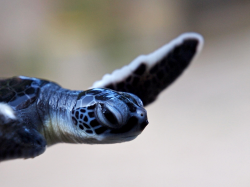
150 59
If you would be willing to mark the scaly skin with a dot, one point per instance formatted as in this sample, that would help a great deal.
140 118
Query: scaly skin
45 114
57 115
57 109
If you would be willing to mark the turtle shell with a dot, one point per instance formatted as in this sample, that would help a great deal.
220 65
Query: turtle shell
20 92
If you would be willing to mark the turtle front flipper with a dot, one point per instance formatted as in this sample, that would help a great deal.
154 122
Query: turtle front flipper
17 140
150 74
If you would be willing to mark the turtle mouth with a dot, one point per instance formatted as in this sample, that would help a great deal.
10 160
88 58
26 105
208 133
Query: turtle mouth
143 125
129 138
125 138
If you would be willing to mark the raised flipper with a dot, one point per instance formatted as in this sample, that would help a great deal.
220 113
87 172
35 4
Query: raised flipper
16 139
150 74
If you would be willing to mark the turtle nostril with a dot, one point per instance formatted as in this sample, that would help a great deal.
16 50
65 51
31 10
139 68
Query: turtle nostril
141 114
144 124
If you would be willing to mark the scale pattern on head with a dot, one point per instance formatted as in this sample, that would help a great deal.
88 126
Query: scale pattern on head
84 119
99 111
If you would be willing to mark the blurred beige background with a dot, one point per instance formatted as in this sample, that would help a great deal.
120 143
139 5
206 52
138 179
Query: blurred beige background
199 131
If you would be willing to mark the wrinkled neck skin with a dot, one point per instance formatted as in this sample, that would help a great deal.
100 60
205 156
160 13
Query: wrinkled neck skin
54 107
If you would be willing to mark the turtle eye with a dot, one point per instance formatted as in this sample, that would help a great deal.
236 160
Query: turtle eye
109 116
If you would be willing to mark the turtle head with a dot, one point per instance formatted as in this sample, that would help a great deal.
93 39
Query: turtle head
106 116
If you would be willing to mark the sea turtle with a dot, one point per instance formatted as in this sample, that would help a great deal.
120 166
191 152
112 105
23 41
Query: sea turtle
36 113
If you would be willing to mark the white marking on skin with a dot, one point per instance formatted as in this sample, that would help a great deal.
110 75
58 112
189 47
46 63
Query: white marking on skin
150 60
7 111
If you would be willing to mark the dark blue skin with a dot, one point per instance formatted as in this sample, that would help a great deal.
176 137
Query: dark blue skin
35 113
114 116
48 114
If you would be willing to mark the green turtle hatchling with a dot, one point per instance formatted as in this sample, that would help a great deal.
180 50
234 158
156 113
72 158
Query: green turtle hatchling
36 113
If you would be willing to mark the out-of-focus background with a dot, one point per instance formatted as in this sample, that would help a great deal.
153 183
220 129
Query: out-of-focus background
199 131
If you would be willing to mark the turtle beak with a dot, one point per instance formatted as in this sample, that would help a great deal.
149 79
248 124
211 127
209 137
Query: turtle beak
144 124
141 114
